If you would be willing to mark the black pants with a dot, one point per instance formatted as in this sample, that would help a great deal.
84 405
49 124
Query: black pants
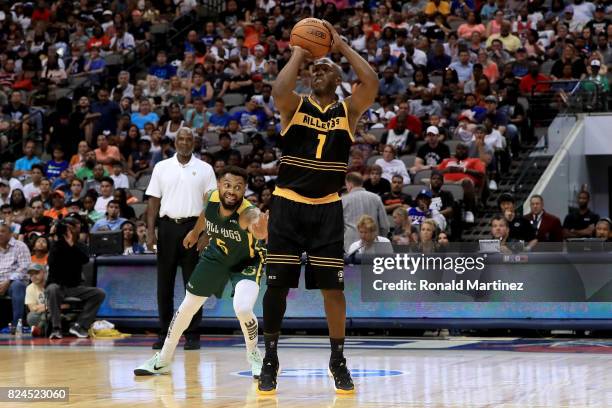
170 255
92 298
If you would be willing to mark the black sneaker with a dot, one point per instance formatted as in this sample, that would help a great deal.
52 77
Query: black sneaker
78 331
342 377
191 343
267 378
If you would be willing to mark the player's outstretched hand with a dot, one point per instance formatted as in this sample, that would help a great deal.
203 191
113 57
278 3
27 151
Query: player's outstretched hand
190 240
337 41
260 228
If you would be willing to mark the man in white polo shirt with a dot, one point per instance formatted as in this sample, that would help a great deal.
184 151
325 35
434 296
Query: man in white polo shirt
176 193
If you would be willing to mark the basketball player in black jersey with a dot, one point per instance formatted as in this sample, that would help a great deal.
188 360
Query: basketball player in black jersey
306 211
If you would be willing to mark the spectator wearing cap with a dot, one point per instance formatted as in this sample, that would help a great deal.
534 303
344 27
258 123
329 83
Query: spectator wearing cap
112 221
599 23
432 152
595 78
58 210
510 41
35 298
422 210
391 166
357 202
603 229
469 173
14 263
38 224
390 84
520 66
162 69
106 193
519 228
66 260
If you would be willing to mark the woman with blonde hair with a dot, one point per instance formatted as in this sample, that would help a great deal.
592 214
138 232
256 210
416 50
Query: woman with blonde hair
427 236
368 234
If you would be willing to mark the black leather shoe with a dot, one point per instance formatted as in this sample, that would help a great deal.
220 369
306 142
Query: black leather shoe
192 343
158 344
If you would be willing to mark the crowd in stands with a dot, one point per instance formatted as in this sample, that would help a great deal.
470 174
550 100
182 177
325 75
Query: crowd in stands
461 82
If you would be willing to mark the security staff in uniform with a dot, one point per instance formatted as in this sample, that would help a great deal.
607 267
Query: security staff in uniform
176 193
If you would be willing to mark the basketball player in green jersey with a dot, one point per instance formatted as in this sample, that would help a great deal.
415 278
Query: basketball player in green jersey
306 212
234 253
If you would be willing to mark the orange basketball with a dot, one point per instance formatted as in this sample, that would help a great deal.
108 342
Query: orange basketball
312 35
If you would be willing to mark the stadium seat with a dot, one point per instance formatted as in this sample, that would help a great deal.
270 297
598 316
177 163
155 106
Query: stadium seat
131 181
408 160
420 175
455 189
412 190
378 132
233 99
452 145
160 28
211 138
372 159
236 109
143 182
213 149
139 209
244 149
137 193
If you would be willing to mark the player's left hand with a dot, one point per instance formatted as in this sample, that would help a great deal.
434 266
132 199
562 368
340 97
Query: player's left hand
260 228
337 41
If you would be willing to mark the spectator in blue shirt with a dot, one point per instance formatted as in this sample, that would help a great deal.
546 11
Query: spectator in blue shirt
57 164
253 118
112 221
94 66
162 69
220 118
144 115
24 165
390 84
463 67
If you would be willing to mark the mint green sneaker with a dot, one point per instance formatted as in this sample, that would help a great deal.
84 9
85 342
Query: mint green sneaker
255 359
152 366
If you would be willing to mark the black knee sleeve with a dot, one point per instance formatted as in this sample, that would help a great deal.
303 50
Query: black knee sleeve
274 306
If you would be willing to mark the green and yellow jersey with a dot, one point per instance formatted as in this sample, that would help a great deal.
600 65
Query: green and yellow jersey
229 244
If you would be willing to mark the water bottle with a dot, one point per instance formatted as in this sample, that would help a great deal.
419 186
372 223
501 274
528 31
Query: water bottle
19 328
11 328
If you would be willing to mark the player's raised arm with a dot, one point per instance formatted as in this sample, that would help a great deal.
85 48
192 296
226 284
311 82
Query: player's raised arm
285 98
365 92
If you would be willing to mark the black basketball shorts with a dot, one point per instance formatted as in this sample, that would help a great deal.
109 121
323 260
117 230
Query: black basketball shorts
295 228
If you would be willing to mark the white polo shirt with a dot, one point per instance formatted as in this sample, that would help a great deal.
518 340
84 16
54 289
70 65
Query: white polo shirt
181 187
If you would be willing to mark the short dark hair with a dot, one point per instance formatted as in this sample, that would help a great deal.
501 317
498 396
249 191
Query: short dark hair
499 218
4 206
78 180
39 167
108 179
224 135
113 202
234 171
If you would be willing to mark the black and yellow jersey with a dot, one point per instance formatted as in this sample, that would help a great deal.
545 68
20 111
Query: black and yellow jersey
229 243
316 145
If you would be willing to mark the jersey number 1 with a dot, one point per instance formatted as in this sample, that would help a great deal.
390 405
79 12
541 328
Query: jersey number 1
322 138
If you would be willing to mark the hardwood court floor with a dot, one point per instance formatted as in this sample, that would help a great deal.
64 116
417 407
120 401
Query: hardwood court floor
99 375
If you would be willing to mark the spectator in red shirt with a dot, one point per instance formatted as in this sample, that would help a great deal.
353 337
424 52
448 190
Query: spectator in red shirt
41 13
99 39
528 81
413 124
470 173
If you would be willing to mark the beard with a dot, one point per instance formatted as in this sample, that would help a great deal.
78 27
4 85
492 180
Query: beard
229 207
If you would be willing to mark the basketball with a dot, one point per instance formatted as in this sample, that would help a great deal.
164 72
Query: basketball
312 35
